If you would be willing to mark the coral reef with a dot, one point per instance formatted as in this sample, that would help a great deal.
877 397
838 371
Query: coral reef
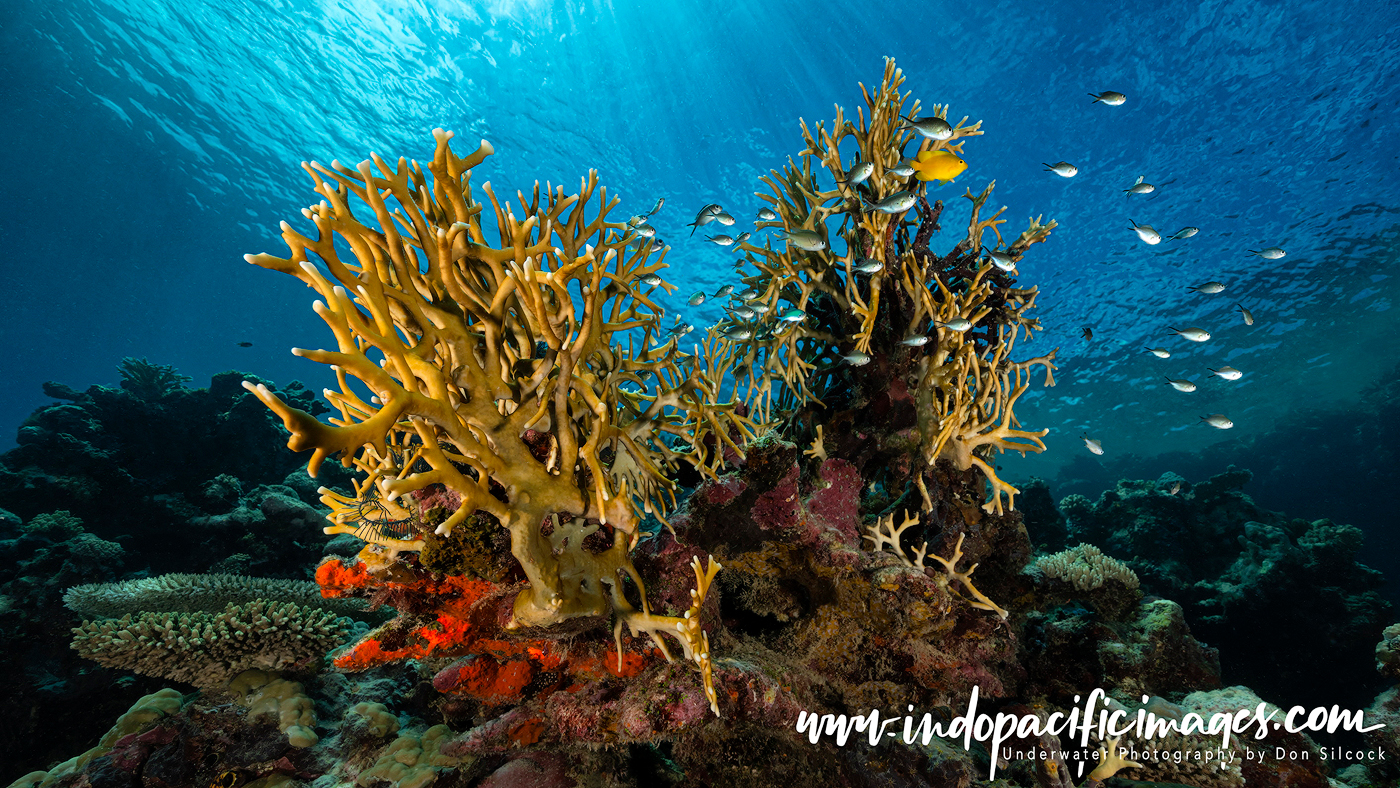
539 470
209 649
125 464
106 486
1339 456
1244 574
124 733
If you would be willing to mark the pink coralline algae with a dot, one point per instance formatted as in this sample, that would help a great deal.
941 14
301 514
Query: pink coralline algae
722 492
837 505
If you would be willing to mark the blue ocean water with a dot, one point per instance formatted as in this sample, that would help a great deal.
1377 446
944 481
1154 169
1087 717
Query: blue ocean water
154 143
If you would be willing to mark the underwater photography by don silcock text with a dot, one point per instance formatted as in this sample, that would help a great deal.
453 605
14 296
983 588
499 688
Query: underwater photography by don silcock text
552 393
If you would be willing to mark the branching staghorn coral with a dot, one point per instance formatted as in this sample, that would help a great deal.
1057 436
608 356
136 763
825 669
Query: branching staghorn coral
498 370
884 533
967 383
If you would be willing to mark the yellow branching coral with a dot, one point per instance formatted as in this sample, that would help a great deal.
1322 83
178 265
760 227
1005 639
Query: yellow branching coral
525 374
884 533
886 289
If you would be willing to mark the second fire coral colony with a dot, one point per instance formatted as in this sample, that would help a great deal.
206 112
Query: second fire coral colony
562 504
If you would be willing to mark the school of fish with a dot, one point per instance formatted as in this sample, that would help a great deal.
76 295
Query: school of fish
1151 237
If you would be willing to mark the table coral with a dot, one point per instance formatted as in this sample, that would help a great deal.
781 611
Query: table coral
209 649
188 593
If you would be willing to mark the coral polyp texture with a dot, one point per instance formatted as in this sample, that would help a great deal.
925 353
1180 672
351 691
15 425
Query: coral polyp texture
521 377
941 329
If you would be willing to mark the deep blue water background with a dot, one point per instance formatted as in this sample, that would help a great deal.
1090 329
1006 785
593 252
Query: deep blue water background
149 145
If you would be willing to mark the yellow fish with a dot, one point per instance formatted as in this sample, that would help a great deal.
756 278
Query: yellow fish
937 165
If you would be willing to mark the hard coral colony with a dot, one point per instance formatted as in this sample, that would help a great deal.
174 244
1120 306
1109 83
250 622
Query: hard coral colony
501 381
526 379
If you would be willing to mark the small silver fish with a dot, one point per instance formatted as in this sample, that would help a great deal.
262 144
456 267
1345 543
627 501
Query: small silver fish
1148 235
1062 168
806 240
1209 288
660 201
1185 232
1093 445
869 267
1192 334
936 129
747 294
651 279
901 170
645 230
1139 187
697 298
636 220
744 312
706 215
918 341
1159 352
724 218
1219 421
958 324
1272 253
724 291
742 237
899 202
1175 488
1182 385
681 329
737 333
1247 315
856 358
859 173
720 240
792 315
761 307
1002 260
1227 372
1110 97
767 215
